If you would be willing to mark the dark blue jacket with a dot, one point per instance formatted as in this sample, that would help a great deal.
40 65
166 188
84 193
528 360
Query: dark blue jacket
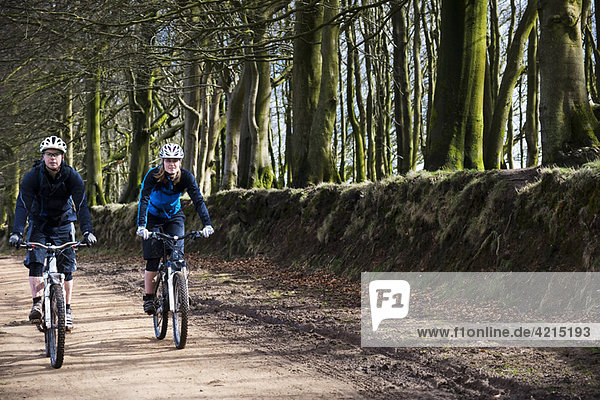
52 202
162 199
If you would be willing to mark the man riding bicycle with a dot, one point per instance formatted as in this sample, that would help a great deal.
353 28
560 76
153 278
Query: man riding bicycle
160 208
52 196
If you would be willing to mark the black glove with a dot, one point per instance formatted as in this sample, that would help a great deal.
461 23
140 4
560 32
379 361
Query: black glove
15 239
89 238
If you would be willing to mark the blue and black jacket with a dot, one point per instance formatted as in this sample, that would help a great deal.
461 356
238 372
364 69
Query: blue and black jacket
163 199
49 203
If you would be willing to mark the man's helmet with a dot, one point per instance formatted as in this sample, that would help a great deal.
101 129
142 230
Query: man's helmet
53 143
171 150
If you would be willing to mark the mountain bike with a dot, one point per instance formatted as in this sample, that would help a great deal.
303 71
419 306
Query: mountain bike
52 322
171 291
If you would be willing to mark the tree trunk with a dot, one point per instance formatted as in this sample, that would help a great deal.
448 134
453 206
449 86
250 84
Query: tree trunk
68 125
322 168
494 51
342 124
11 190
430 46
456 136
357 132
306 80
140 108
567 121
288 134
532 116
382 107
192 116
258 113
361 107
597 55
245 148
203 131
94 186
251 162
402 111
215 125
418 92
232 141
512 72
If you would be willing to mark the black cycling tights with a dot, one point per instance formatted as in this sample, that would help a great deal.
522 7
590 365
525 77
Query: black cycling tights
152 264
35 269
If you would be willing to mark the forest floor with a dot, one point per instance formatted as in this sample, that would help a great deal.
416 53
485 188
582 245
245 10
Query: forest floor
258 330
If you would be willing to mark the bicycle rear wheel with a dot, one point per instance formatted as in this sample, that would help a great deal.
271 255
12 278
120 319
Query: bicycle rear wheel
55 334
161 317
181 309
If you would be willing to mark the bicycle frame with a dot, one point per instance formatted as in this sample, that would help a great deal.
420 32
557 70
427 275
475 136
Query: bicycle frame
50 272
172 257
51 277
174 298
53 335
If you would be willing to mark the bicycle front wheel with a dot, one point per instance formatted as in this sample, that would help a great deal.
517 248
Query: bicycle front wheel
181 309
161 317
55 335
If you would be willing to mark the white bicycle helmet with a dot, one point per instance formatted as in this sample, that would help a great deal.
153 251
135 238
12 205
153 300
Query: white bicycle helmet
171 150
53 143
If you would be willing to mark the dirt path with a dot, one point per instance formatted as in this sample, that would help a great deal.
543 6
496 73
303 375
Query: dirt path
258 330
112 353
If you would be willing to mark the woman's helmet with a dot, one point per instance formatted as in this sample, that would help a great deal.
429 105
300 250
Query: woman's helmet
171 150
53 143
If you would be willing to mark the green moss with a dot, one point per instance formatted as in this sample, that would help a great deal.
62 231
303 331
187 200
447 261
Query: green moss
543 219
584 125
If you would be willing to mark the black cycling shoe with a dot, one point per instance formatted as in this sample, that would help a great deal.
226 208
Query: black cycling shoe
149 307
36 312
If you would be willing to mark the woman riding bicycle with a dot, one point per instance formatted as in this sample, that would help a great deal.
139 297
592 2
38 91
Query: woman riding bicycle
160 208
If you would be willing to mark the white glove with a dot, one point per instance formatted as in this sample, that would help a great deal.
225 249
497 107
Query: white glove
143 232
89 238
207 231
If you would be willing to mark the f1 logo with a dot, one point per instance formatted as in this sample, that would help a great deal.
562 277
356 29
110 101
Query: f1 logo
388 299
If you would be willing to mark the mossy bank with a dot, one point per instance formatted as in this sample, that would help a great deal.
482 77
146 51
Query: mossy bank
522 220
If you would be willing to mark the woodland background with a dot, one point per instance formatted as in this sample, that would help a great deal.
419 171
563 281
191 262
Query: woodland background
276 94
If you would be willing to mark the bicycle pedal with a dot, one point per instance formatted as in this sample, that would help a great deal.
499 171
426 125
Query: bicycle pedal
36 321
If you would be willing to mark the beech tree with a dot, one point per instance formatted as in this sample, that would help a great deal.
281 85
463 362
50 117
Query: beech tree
306 81
566 118
457 116
402 111
494 139
321 167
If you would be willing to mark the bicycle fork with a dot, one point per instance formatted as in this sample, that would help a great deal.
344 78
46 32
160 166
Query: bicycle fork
52 277
170 273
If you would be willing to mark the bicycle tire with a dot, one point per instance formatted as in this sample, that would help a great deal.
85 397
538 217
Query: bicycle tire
181 310
161 316
56 331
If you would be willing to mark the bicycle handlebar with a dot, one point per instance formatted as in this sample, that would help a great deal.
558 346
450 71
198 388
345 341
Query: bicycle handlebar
164 236
32 245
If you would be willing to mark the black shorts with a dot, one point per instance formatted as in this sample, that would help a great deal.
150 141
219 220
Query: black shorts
175 225
65 261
